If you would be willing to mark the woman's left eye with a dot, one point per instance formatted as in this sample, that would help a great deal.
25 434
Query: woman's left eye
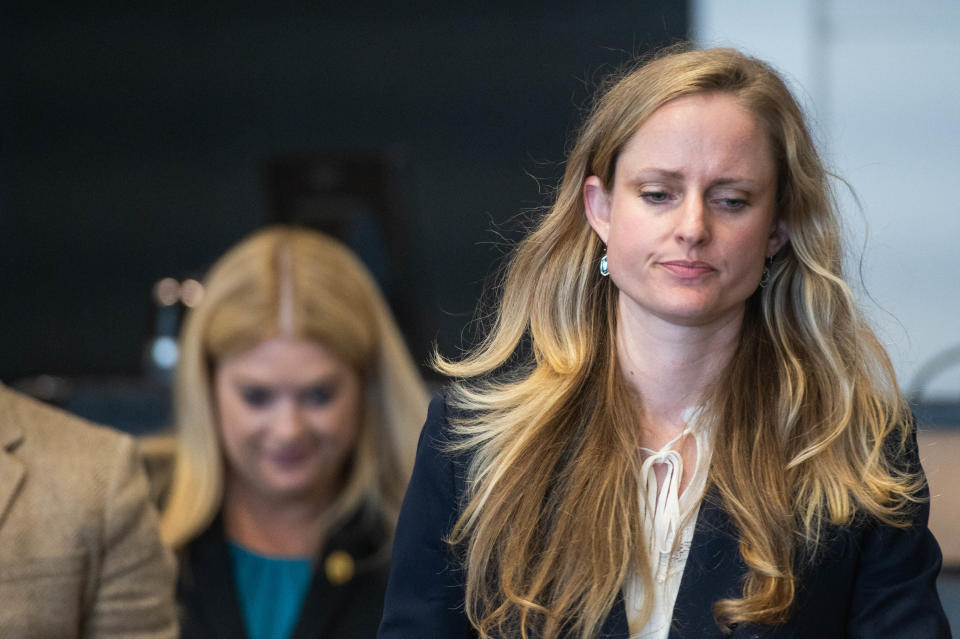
318 395
731 203
256 396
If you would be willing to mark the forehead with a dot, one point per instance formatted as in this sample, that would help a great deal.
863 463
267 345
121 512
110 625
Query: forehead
283 359
701 134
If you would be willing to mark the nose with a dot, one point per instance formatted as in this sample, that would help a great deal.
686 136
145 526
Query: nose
693 222
288 422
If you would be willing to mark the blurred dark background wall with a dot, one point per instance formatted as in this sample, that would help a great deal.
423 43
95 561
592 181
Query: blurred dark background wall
134 140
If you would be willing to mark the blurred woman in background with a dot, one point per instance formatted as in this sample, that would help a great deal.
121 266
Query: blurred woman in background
297 405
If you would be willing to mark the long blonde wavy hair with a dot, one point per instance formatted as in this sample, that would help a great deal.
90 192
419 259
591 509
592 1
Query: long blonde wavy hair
807 415
328 297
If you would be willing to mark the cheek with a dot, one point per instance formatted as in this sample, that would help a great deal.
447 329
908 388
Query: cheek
750 249
352 414
628 251
341 423
235 424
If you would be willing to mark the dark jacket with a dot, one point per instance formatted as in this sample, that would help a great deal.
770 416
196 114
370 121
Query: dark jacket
869 580
210 608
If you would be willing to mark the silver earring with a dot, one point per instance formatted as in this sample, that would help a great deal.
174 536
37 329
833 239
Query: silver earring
765 276
604 270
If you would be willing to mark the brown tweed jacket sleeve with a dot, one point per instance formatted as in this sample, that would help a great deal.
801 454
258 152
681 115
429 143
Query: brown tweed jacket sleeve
80 554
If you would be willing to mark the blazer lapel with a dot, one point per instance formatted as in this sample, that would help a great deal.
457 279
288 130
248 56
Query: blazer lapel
320 606
12 470
325 603
207 586
713 571
616 626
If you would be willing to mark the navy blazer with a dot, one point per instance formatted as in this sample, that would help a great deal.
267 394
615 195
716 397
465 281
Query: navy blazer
869 580
210 606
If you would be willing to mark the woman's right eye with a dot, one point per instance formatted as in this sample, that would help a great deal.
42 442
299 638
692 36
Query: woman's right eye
655 197
256 396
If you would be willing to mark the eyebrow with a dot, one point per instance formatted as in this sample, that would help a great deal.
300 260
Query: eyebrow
321 380
644 173
726 181
677 175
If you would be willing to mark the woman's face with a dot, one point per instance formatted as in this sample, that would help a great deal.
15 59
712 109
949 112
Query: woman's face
288 416
690 217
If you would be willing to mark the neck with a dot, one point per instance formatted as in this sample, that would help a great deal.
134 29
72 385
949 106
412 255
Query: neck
671 366
272 527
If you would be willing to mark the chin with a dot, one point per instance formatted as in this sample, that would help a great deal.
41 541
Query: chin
688 316
699 311
287 487
293 492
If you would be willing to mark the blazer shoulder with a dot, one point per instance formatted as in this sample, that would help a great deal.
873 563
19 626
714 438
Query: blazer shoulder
72 465
84 487
440 441
443 414
59 432
436 427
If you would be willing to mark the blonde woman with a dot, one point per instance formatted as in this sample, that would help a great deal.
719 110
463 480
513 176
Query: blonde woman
704 438
297 405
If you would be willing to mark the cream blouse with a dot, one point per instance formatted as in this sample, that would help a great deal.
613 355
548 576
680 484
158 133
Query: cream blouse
669 522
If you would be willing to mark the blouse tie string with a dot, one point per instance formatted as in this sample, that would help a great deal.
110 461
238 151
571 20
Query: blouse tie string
663 501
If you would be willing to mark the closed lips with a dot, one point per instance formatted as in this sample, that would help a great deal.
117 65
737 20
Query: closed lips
683 267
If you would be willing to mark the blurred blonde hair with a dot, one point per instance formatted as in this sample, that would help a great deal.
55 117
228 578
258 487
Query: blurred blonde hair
551 528
299 283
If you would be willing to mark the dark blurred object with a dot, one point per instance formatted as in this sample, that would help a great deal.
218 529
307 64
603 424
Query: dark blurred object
935 412
170 298
160 351
136 406
353 196
944 360
350 195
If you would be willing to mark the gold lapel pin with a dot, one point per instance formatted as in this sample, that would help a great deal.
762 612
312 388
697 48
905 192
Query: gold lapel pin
339 567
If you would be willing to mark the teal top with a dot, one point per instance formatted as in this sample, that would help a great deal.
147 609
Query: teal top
271 591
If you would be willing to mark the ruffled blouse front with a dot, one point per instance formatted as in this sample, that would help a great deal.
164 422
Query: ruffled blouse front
669 519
